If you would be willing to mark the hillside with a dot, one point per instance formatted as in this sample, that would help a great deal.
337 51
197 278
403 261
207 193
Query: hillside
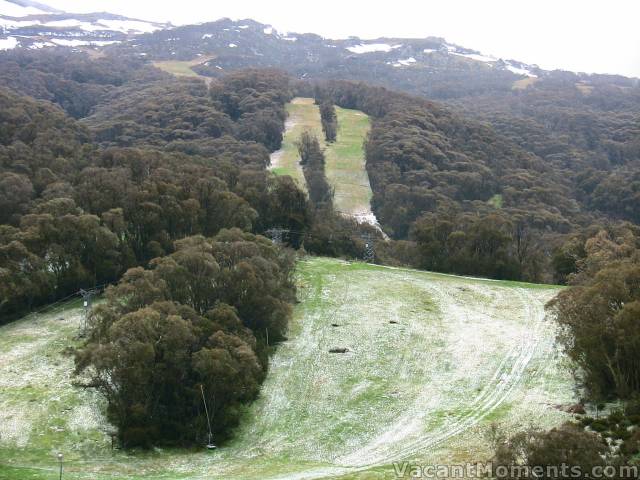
345 158
432 358
302 115
346 169
33 25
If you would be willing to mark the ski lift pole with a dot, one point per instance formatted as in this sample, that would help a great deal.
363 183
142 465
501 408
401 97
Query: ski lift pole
60 458
87 296
210 444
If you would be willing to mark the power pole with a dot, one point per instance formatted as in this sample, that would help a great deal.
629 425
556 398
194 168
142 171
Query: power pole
87 296
369 255
210 444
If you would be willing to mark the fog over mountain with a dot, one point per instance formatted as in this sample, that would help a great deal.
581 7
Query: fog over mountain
570 35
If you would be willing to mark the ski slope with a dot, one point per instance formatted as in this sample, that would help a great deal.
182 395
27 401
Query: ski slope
302 115
433 361
345 166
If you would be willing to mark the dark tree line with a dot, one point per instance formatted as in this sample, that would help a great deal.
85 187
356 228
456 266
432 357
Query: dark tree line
329 120
313 165
74 81
76 214
600 312
600 331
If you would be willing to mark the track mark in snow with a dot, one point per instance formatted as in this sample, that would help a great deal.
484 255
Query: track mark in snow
408 437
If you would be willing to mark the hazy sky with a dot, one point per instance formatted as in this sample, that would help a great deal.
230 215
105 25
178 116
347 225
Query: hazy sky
586 35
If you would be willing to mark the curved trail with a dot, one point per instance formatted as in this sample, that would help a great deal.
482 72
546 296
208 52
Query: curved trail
465 308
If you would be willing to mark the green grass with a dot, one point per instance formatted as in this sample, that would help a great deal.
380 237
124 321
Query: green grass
524 83
496 201
182 68
447 362
345 167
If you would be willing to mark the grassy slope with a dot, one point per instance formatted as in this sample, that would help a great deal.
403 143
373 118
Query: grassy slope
345 166
302 115
183 68
464 353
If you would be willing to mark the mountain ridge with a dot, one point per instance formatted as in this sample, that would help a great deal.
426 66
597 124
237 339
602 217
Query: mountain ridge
33 25
29 32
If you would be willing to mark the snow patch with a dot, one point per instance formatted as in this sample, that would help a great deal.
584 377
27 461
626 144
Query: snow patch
268 31
37 45
520 71
370 48
243 27
12 24
8 43
70 22
429 50
476 56
102 43
70 43
290 39
207 35
405 63
126 26
232 45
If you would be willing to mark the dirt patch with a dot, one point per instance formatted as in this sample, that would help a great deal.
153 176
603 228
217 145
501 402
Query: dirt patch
339 350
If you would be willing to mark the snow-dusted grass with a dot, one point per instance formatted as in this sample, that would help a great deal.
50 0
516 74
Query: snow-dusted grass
464 353
302 115
41 412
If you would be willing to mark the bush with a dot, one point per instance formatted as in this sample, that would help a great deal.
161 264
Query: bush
198 317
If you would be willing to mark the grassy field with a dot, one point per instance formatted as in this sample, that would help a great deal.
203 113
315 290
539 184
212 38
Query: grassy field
183 68
523 83
345 168
433 361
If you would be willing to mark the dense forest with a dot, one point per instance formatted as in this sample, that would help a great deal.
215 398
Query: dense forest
475 201
66 197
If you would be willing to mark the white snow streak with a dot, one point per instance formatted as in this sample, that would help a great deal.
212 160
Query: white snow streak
8 43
